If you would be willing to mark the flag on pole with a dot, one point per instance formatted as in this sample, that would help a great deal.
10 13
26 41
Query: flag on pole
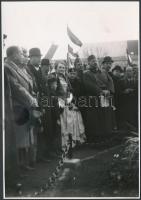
4 36
129 59
70 50
69 62
49 55
73 38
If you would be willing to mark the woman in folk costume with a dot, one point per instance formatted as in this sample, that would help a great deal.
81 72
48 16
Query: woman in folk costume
70 117
98 92
22 101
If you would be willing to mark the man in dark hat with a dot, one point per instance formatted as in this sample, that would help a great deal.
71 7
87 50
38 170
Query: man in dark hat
34 68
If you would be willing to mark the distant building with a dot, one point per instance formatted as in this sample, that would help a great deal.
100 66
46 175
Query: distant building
115 49
132 46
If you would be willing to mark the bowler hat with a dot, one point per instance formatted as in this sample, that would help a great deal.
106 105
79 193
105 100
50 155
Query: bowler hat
107 59
35 52
45 61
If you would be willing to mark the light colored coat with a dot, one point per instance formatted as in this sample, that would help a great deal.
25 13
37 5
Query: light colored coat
20 88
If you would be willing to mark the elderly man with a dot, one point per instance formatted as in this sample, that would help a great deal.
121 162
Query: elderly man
18 87
98 114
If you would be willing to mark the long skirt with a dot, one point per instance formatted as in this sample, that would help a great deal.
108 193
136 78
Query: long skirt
72 123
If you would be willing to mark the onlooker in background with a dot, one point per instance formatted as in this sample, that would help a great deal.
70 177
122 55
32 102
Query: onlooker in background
75 76
117 76
107 74
116 72
76 80
49 111
135 70
107 64
34 70
45 67
22 100
129 99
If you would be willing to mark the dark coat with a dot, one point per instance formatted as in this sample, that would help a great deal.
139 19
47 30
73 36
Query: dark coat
91 85
129 101
98 120
37 78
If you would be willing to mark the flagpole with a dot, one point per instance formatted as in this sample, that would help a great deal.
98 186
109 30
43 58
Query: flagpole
127 56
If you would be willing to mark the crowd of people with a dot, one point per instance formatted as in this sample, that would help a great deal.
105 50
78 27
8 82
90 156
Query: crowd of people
51 102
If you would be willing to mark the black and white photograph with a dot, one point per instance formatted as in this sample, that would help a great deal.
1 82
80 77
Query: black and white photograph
70 99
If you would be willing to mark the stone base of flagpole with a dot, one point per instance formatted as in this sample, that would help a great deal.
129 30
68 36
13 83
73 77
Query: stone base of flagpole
72 163
69 173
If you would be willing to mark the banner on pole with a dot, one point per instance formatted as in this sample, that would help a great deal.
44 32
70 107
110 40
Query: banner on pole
49 55
70 50
73 37
129 59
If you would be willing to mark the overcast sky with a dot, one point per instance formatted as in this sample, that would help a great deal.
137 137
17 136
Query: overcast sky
39 24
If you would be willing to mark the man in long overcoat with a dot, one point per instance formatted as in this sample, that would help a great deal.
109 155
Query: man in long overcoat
41 89
18 98
98 117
